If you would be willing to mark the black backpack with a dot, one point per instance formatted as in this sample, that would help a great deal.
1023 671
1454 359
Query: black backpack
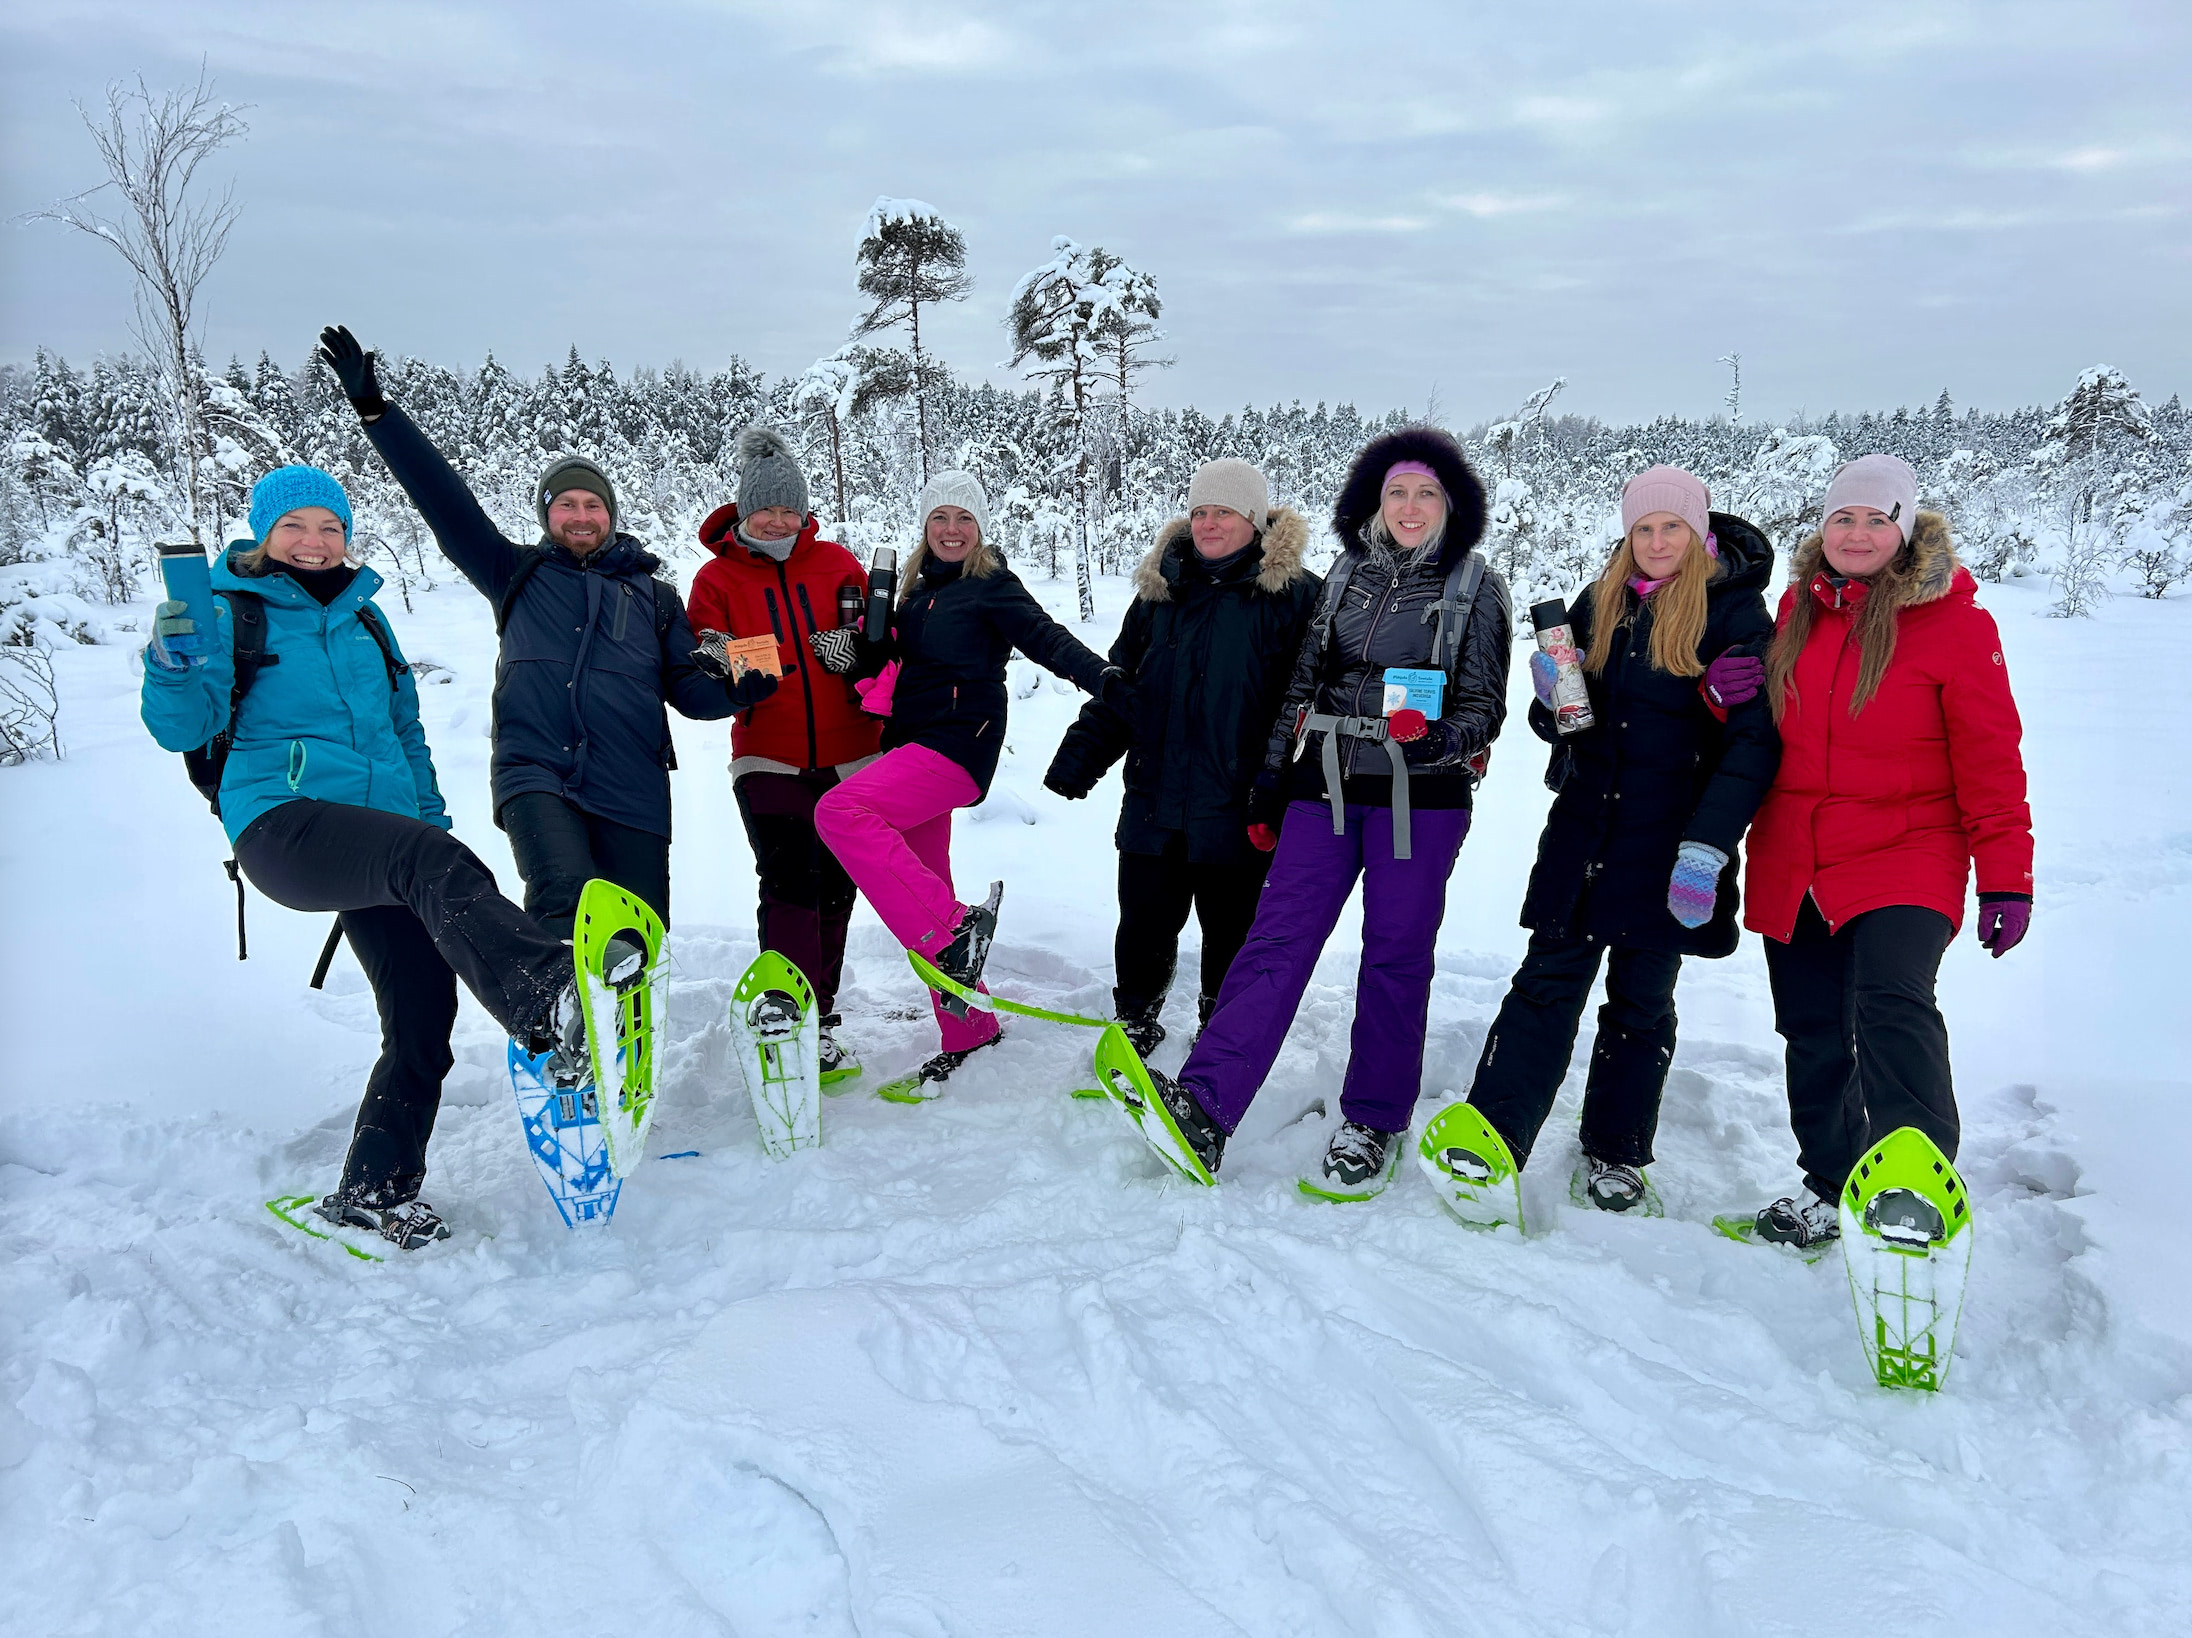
205 765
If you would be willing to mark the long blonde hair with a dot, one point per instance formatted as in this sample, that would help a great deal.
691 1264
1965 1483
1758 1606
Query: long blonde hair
1678 610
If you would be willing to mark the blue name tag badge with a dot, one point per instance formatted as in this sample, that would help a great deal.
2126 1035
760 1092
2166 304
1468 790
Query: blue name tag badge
1408 689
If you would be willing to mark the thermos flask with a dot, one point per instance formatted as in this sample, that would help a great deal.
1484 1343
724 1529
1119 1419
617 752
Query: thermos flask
882 589
1571 698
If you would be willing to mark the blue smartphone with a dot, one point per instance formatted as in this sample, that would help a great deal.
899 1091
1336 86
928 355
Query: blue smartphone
189 581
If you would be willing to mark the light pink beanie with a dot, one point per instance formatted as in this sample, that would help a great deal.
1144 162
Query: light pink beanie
1884 482
1667 489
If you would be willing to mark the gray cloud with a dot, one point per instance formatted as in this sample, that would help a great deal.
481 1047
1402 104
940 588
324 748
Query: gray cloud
1869 203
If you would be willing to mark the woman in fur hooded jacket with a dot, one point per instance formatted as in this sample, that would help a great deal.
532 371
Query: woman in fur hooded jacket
1220 605
939 681
1900 771
1398 691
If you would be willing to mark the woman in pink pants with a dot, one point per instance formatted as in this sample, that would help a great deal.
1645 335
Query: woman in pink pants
961 613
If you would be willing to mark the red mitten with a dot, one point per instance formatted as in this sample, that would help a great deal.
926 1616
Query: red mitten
1262 838
1407 725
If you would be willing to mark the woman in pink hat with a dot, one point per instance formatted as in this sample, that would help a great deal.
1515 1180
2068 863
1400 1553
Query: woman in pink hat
1637 862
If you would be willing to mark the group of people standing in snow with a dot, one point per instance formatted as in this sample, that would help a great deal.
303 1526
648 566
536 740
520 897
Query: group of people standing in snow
1864 738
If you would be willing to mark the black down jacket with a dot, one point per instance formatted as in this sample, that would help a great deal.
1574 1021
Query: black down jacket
1655 769
1209 651
956 627
587 659
1340 669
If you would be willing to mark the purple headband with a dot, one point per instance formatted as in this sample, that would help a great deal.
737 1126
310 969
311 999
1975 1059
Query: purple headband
1398 467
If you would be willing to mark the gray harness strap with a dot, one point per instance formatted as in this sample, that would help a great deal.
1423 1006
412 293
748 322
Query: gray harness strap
1378 732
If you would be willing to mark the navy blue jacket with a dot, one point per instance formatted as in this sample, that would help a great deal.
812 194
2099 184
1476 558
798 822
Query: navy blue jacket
582 678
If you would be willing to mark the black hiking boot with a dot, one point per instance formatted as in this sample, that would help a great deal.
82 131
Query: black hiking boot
1611 1186
1141 1028
562 1032
1802 1220
406 1224
939 1068
1358 1162
961 960
1204 1135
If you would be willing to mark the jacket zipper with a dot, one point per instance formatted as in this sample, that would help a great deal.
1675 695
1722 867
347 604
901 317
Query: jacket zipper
806 694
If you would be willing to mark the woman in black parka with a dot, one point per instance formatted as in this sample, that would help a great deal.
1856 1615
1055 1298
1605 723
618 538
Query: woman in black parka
1639 852
1220 605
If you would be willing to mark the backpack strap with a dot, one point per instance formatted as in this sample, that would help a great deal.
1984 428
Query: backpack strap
667 605
1452 609
1335 588
528 564
370 618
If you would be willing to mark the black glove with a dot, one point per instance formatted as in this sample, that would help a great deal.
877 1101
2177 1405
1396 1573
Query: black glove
751 689
353 367
1434 746
1267 799
1068 774
1116 689
838 649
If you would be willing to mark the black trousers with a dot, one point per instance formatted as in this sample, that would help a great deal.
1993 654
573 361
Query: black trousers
1156 891
806 897
559 848
1526 1052
1867 1046
421 911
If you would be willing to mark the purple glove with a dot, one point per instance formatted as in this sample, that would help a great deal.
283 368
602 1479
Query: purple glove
1542 674
2004 919
1695 884
1734 679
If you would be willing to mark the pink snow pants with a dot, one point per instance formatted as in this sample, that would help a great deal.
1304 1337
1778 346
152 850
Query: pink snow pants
890 827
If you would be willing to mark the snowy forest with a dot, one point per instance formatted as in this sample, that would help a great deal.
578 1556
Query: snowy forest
2093 492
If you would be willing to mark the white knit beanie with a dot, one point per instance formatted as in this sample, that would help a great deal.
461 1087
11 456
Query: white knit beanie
1667 489
1234 485
1884 482
960 489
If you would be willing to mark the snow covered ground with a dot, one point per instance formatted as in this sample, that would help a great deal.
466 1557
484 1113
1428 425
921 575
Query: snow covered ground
978 1367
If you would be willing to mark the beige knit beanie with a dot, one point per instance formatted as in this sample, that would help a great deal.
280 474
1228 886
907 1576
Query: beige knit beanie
1884 482
1234 485
1667 489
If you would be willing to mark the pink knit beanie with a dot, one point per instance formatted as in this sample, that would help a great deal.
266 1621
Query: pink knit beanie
1884 482
1667 489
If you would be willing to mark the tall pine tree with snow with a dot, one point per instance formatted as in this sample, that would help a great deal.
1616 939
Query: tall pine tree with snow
910 258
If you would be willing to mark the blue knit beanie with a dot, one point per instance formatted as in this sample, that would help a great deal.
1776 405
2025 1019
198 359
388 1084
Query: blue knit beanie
286 488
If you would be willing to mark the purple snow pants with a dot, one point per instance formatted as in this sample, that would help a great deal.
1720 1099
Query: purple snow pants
1312 874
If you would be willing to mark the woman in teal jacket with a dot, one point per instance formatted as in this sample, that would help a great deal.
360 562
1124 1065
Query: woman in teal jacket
330 800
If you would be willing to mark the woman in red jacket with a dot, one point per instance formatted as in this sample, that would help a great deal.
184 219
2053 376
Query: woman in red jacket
1900 770
773 574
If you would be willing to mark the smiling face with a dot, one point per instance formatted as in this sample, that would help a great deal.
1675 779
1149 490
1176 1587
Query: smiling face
579 522
1219 531
772 523
1860 540
1413 506
311 537
951 533
1659 542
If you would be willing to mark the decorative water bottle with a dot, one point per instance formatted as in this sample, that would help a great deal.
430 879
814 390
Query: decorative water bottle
1571 696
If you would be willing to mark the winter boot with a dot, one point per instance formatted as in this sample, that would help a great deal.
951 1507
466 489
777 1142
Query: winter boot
927 1081
407 1224
1205 1005
1204 1135
833 1061
1611 1186
1802 1220
961 960
1142 1030
1358 1163
623 964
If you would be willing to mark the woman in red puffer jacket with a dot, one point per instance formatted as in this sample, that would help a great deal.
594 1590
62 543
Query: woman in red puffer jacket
1900 771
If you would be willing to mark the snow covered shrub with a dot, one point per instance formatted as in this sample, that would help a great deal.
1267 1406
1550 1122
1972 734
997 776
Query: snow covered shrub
30 705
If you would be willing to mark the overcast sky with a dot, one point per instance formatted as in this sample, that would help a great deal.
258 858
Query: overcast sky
1868 200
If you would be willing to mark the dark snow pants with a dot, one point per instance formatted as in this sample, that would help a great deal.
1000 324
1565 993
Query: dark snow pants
429 914
1156 891
806 897
1312 875
1526 1051
1867 1046
560 848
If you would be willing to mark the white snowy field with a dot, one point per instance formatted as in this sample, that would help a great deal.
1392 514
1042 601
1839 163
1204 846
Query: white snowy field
978 1367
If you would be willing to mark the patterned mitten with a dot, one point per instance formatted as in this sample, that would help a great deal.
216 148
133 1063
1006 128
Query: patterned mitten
1695 884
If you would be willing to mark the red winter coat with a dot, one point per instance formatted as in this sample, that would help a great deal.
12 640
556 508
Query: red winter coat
813 720
1892 805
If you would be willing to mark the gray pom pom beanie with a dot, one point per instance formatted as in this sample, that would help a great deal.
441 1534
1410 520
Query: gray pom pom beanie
961 489
769 473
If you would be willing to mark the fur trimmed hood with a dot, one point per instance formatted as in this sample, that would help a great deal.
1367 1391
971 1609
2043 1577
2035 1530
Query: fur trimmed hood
1925 571
1285 540
1438 450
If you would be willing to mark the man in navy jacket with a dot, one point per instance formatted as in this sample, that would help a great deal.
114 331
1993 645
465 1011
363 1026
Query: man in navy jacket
594 648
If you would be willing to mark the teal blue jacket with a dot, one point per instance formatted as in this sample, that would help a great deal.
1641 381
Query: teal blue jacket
321 722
